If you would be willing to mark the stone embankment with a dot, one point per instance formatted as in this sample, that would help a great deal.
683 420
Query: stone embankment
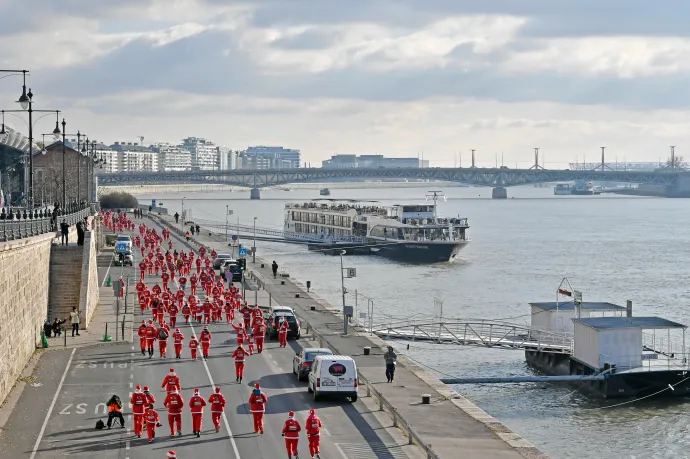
36 273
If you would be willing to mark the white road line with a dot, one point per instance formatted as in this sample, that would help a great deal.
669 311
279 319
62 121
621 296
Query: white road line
337 446
52 405
225 418
127 445
107 272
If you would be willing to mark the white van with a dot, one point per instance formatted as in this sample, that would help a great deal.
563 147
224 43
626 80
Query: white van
333 375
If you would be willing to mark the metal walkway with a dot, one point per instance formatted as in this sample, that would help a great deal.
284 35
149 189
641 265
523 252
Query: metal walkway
478 332
274 234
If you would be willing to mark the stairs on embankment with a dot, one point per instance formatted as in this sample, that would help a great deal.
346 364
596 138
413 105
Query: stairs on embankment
65 280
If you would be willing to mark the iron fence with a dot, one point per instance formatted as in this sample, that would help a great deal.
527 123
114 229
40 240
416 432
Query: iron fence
11 230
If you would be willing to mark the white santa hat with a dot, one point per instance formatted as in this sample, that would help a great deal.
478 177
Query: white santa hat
172 372
291 415
172 455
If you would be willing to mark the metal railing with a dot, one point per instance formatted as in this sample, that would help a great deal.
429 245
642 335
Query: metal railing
646 361
27 227
477 332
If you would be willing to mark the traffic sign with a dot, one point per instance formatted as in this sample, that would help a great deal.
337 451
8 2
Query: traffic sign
351 272
234 237
242 252
121 247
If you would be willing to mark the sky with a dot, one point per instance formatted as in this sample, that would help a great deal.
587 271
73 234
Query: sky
394 77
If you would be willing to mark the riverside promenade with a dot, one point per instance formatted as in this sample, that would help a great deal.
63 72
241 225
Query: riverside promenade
450 424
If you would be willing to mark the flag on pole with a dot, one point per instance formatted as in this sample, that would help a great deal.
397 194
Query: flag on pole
564 292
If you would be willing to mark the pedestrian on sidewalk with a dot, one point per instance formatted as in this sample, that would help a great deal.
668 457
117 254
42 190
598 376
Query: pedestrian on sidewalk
64 231
177 217
274 268
57 326
391 359
74 320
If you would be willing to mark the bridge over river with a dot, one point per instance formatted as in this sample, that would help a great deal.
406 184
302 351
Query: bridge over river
676 182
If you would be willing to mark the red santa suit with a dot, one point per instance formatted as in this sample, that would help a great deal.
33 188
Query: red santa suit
151 334
313 428
257 406
282 333
171 382
229 312
197 404
141 331
291 431
259 335
139 404
163 335
217 402
186 311
239 355
205 338
193 346
174 403
173 310
152 418
178 342
207 311
239 329
142 270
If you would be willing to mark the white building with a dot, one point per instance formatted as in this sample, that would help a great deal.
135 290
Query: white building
205 155
132 157
110 156
228 158
173 157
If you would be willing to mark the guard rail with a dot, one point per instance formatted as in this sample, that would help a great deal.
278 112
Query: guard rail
27 227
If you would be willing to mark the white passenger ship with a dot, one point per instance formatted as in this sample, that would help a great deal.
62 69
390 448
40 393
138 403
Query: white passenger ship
408 232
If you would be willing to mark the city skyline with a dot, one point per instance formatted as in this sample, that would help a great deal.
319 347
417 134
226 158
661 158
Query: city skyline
398 79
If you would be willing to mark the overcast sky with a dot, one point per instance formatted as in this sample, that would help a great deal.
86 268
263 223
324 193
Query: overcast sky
397 77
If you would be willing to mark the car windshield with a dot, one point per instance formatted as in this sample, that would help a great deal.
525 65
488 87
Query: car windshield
234 269
290 318
122 237
310 356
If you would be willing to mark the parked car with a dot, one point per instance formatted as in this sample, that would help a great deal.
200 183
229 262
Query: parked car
303 360
274 321
220 260
335 376
233 267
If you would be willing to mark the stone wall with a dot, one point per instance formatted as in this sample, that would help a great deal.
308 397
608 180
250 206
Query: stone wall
24 274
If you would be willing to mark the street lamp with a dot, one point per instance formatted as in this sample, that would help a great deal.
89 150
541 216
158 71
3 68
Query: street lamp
64 186
79 151
254 247
342 284
182 220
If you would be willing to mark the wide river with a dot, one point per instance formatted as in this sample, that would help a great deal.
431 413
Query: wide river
611 248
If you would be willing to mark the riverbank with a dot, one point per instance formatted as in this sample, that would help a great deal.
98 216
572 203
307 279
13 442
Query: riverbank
170 188
450 423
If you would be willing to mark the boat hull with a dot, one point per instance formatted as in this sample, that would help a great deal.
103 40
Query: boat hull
418 252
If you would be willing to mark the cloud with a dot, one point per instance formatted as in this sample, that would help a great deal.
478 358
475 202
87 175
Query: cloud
309 72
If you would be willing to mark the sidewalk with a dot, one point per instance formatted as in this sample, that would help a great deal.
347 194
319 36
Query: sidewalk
450 423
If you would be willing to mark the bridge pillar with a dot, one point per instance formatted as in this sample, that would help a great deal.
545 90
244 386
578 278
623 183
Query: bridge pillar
499 192
255 193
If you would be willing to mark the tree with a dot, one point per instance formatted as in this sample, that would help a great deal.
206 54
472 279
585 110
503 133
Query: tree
118 200
677 163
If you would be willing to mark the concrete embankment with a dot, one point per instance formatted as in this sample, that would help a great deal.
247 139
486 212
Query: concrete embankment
34 272
449 426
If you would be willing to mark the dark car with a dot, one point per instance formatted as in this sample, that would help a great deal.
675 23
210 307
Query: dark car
304 359
235 269
274 321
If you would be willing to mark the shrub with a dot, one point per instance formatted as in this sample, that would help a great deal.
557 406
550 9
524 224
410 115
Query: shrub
118 200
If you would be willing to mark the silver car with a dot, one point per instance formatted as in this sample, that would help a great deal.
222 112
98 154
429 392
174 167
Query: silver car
220 260
302 362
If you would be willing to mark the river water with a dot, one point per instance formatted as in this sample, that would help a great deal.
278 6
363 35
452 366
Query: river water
612 248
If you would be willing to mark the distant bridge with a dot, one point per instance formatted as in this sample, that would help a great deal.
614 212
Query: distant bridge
492 177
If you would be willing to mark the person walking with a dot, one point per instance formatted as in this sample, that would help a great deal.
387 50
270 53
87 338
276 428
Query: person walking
391 359
115 411
274 268
64 231
174 403
291 430
177 217
139 403
313 428
239 355
152 418
257 406
197 404
217 401
74 320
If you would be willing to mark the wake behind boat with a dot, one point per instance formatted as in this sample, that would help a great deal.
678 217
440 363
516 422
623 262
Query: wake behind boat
406 232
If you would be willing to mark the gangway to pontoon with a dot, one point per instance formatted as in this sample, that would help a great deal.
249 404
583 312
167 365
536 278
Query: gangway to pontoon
477 332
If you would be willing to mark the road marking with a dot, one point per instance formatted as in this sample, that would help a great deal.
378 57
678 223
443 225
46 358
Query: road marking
225 418
127 445
107 272
337 446
52 405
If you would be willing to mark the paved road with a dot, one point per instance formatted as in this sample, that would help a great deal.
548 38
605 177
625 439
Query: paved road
56 418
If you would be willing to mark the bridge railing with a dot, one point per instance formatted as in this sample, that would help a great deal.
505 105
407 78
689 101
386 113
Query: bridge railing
479 332
27 227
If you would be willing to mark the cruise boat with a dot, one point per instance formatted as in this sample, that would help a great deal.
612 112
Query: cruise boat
404 232
584 189
562 189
